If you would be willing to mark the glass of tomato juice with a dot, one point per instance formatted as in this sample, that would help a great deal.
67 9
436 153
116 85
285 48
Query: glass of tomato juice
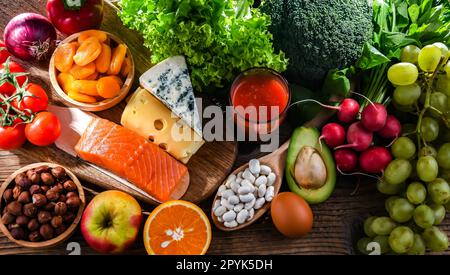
260 98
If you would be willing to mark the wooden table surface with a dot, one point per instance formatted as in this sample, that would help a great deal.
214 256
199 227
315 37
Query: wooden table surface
337 222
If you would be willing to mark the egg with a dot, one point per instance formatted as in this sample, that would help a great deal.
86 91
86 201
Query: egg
291 215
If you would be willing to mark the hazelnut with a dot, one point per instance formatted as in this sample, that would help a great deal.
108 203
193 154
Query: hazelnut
52 195
69 217
44 188
34 236
39 200
70 185
73 202
8 195
22 181
60 230
71 194
14 208
62 198
47 179
18 233
41 169
16 192
57 188
33 176
33 225
60 208
22 220
50 206
59 172
30 210
8 218
56 221
35 189
46 231
44 216
24 197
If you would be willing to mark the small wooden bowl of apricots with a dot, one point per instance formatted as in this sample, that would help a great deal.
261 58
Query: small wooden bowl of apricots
92 70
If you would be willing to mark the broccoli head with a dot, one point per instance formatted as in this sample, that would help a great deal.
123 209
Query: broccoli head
319 35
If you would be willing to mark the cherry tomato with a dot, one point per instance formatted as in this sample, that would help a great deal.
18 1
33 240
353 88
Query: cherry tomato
8 88
4 54
75 19
35 100
12 137
44 129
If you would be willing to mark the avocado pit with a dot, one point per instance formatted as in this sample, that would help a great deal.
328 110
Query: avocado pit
310 171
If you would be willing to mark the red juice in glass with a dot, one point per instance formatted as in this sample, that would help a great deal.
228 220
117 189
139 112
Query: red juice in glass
260 98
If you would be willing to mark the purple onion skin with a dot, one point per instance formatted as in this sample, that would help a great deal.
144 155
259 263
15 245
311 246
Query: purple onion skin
30 36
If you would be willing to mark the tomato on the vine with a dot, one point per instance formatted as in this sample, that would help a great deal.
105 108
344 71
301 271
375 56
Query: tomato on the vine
8 71
12 137
44 129
4 54
34 99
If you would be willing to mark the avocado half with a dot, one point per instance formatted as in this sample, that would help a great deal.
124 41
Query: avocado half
308 138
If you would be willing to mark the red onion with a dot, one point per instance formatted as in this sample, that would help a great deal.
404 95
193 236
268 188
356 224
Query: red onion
30 36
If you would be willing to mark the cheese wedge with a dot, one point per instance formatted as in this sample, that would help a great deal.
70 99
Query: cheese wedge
151 119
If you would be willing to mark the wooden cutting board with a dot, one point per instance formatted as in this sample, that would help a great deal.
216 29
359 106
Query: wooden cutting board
207 168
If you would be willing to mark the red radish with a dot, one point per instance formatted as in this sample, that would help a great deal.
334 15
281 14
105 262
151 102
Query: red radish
392 129
375 159
373 117
333 134
346 160
358 137
348 110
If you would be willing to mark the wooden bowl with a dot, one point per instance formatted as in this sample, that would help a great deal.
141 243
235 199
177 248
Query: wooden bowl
69 231
100 105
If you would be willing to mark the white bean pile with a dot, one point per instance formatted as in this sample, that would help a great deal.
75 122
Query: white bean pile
244 193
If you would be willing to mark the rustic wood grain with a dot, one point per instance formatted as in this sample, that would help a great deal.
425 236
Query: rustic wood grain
337 222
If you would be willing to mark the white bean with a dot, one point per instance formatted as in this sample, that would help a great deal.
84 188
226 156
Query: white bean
238 180
265 170
228 184
221 189
235 186
230 224
254 166
269 193
251 213
249 184
231 178
242 216
248 176
224 202
233 200
261 180
229 216
220 219
259 203
271 178
238 207
216 204
262 190
244 190
227 193
219 211
249 205
246 198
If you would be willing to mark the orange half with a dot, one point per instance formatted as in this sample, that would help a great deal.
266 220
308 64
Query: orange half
177 228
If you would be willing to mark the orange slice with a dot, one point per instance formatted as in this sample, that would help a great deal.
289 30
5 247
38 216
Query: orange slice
177 228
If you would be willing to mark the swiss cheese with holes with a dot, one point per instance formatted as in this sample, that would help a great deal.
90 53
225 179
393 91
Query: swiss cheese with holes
147 116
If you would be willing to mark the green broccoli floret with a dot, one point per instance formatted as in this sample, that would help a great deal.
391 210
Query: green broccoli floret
319 35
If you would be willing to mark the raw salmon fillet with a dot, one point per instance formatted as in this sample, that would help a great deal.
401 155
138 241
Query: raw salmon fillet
130 156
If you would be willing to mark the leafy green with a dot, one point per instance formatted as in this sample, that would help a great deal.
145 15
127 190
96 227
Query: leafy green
219 38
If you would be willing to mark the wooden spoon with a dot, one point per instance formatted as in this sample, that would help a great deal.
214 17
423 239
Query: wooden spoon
276 161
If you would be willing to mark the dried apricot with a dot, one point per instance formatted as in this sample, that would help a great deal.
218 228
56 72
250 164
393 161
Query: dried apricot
87 87
88 51
81 97
93 76
64 57
126 67
65 81
107 87
82 72
118 56
100 35
104 59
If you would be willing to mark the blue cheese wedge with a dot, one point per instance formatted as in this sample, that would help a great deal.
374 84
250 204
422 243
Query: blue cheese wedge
169 81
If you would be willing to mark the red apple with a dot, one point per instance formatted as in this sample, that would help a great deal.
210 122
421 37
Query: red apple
111 221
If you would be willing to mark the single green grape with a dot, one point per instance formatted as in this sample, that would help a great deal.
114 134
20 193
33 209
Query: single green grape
401 210
389 202
429 129
439 101
403 148
410 54
443 156
418 247
439 213
362 245
403 73
389 189
429 58
439 191
383 241
442 47
397 171
407 95
443 85
435 239
427 151
423 216
383 225
401 239
416 193
368 226
427 168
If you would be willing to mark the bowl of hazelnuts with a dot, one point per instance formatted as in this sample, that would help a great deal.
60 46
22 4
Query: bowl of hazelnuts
41 205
